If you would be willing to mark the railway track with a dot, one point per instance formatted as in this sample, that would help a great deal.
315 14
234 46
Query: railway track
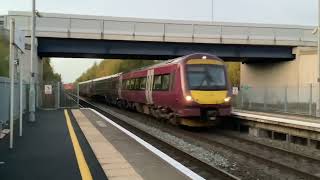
297 161
203 169
301 166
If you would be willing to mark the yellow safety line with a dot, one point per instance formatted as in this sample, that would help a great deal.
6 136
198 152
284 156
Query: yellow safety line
83 166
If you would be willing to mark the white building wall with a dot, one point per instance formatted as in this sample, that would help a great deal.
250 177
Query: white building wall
275 84
297 73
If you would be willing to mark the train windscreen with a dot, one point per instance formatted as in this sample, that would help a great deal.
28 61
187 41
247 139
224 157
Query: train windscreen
206 77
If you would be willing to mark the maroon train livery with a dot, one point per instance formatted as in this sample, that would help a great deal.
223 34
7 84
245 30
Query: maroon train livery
192 90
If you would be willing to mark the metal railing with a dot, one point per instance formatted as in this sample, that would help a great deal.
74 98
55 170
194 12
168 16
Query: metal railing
293 100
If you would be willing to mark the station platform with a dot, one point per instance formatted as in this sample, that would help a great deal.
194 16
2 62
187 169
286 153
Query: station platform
122 154
45 151
81 144
288 120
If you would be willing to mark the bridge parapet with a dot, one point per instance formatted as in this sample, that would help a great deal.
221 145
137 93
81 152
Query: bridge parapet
116 28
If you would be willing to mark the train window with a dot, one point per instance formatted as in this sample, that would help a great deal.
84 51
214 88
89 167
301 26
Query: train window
131 84
143 83
137 83
165 81
124 84
157 83
161 82
206 77
128 84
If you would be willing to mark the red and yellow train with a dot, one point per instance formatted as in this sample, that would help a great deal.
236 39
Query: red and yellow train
192 90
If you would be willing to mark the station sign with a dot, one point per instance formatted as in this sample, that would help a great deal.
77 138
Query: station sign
47 89
235 90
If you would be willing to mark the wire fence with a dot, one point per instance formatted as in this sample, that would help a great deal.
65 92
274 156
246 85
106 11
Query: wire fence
5 100
53 95
301 100
58 98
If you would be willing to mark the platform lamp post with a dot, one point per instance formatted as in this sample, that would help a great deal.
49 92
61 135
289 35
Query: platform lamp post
317 31
32 88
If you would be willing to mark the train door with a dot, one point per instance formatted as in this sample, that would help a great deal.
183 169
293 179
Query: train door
149 85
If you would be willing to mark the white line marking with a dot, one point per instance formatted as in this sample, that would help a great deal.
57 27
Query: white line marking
186 171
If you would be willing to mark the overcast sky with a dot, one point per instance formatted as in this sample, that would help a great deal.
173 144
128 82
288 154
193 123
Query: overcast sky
301 12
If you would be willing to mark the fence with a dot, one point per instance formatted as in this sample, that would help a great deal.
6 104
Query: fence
295 100
53 95
5 100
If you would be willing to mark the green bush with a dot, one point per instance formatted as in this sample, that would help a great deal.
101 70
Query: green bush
4 53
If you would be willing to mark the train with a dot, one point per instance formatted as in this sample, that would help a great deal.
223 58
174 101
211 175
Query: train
193 90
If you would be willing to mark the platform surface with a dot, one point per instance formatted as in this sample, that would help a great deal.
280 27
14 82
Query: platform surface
295 121
138 160
45 151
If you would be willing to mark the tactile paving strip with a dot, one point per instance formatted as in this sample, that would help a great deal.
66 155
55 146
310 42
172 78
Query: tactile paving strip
115 166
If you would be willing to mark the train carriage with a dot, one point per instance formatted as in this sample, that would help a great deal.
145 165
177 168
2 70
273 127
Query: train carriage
192 90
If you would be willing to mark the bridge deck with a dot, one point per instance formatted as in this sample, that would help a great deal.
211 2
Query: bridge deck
134 29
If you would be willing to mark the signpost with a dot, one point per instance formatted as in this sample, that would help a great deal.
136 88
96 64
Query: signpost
19 42
11 70
32 99
16 41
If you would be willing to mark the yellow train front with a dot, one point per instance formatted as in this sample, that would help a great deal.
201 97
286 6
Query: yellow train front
205 94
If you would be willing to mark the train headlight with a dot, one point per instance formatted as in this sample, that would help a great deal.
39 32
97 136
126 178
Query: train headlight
188 98
227 99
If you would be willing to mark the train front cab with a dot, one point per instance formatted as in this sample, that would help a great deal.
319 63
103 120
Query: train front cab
206 91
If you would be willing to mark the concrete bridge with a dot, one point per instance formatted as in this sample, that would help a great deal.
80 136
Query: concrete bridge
63 35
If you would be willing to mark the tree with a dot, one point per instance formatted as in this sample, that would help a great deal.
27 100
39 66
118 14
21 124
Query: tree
233 69
4 54
48 74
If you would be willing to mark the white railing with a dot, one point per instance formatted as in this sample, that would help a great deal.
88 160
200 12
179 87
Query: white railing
286 99
5 100
95 27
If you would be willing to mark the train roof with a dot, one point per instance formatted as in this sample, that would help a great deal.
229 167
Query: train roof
101 78
167 62
178 60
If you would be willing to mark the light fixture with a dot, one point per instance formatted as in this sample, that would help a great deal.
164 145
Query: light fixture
204 57
188 98
227 99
